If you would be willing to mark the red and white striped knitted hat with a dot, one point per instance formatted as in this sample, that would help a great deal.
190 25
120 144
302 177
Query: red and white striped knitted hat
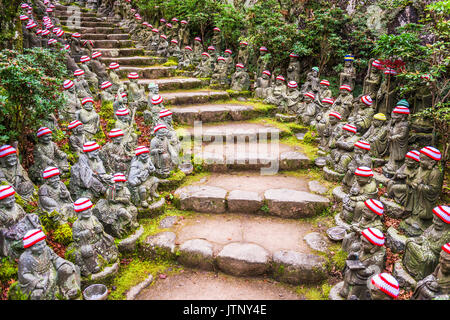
367 100
49 10
377 64
45 32
280 77
310 95
86 100
443 212
96 54
114 65
76 35
141 150
188 48
169 25
156 99
122 112
240 65
335 114
431 152
174 41
84 59
6 150
60 33
78 72
50 172
51 41
426 76
211 48
145 23
43 131
413 154
67 84
294 55
165 113
23 17
228 51
115 133
66 47
375 206
183 22
292 84
163 36
267 72
158 127
82 204
363 145
198 39
133 75
221 58
328 100
38 31
374 236
216 29
155 30
387 284
325 82
31 24
162 20
32 237
24 6
206 54
245 43
105 85
401 109
364 172
263 49
390 71
349 127
446 247
56 30
119 177
123 94
345 87
74 124
6 191
90 146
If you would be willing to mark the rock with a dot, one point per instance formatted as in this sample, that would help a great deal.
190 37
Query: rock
202 199
336 233
197 253
168 222
380 178
320 162
300 136
392 209
285 118
376 162
316 241
317 187
331 175
162 243
134 291
186 168
339 194
244 201
395 241
155 208
129 244
298 268
288 203
241 99
243 259
292 160
405 281
334 291
105 274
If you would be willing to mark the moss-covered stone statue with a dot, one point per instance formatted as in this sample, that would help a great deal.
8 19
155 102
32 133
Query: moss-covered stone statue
115 155
437 284
348 76
220 74
42 274
240 80
114 78
360 158
117 214
165 118
366 261
72 104
324 92
387 92
47 154
198 50
262 85
377 136
136 92
372 80
383 286
98 67
187 55
54 196
107 94
92 248
363 188
162 46
400 184
308 109
125 122
276 92
154 41
312 81
362 114
204 69
89 118
77 139
422 253
340 157
81 85
14 223
151 114
398 138
243 54
160 153
293 70
262 62
12 172
326 128
89 75
143 184
343 103
183 33
424 192
291 99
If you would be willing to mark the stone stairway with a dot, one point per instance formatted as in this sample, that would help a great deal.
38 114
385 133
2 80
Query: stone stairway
245 222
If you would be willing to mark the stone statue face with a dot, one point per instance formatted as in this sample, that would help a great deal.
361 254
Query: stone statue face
362 180
45 139
438 224
10 160
315 73
125 118
396 117
38 248
359 151
444 260
265 76
162 133
8 202
144 156
426 162
168 120
366 246
347 63
53 181
119 185
85 214
410 163
226 55
117 140
88 106
367 215
332 120
377 123
93 154
78 130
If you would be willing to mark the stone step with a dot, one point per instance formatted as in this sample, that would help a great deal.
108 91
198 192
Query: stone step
99 30
100 36
134 61
281 201
146 72
97 24
112 44
212 113
165 84
64 18
241 245
121 52
193 97
67 12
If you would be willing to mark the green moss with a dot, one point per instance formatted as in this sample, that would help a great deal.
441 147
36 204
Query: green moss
63 234
107 113
315 292
8 270
15 292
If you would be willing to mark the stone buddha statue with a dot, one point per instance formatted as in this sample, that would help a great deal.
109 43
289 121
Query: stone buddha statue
154 41
340 157
120 101
243 54
326 129
343 103
47 154
183 33
198 49
293 70
387 92
107 93
377 135
360 158
42 274
136 92
204 69
220 74
117 214
323 93
77 139
89 75
262 63
165 118
160 153
423 193
151 115
162 46
72 102
125 122
81 85
308 109
97 67
115 155
262 85
92 248
348 76
174 49
186 58
114 77
362 114
291 99
276 92
217 39
89 118
422 253
400 184
372 80
12 172
312 81
240 80
54 196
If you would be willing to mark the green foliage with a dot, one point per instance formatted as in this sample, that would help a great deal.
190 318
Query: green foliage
15 292
63 234
8 270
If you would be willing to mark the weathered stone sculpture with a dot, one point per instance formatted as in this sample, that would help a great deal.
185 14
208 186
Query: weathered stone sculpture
362 114
220 74
424 192
261 63
136 92
47 154
154 41
437 284
90 76
151 117
229 61
183 33
324 92
174 49
217 38
312 81
125 122
117 214
186 59
324 111
14 223
198 50
114 77
43 275
383 286
142 183
360 158
262 85
243 54
107 94
276 92
387 92
161 155
422 253
293 70
120 101
340 157
72 101
162 46
81 85
325 129
398 139
115 154
400 184
372 80
349 74
165 118
343 103
77 138
307 109
290 99
240 80
54 196
377 135
89 118
204 67
12 172
97 67
92 248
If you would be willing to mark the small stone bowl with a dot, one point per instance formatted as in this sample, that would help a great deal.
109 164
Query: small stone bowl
187 168
95 292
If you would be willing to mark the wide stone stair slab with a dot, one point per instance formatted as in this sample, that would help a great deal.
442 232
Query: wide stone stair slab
112 44
145 72
102 36
193 97
120 52
102 30
212 113
133 61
